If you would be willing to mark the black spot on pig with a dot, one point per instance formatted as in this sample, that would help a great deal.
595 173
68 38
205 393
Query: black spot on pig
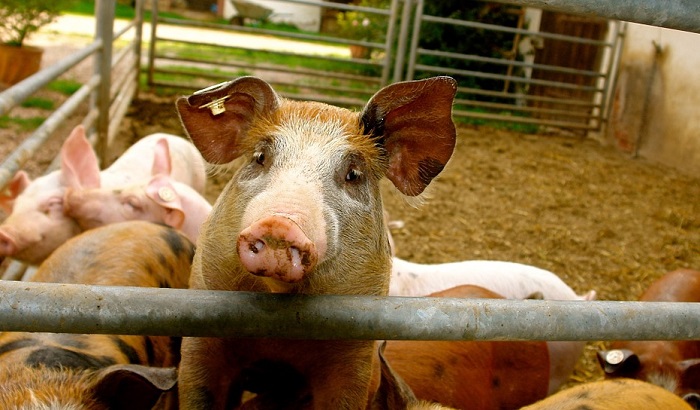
128 351
428 169
175 242
17 344
57 357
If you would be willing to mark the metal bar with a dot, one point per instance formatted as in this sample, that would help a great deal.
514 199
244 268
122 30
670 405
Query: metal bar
403 37
19 156
104 30
675 14
19 92
14 271
413 56
388 41
63 308
523 120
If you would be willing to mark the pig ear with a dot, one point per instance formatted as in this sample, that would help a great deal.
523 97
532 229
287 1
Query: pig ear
618 362
79 166
393 392
413 121
161 158
162 192
690 373
217 118
133 387
14 188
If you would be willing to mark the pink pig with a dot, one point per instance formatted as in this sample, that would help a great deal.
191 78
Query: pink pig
162 199
36 224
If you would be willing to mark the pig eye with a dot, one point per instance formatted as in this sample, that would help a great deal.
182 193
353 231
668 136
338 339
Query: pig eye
259 157
353 175
54 204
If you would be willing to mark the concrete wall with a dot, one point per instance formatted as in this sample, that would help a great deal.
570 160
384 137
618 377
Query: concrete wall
655 109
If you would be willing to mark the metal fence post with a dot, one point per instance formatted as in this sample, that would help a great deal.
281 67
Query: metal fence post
104 31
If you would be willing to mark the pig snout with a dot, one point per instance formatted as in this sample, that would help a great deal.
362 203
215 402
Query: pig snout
276 247
8 246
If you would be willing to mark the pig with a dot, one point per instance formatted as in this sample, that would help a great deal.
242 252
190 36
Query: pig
472 374
393 392
617 394
52 370
162 199
303 215
509 279
37 225
672 364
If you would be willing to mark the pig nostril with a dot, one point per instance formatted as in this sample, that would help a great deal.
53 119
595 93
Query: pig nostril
257 246
295 256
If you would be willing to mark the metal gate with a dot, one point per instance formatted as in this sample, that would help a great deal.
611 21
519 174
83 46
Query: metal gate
554 75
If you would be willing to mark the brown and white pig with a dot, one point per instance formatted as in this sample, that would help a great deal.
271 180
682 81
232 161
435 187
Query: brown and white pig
36 223
66 371
511 280
162 199
672 364
617 394
475 375
303 215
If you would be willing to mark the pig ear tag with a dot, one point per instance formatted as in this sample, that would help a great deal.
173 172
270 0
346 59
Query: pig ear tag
166 194
216 106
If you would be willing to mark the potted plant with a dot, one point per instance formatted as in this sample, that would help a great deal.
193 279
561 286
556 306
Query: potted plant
361 26
18 20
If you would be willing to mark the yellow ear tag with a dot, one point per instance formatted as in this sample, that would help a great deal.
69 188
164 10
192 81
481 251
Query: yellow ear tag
216 106
166 194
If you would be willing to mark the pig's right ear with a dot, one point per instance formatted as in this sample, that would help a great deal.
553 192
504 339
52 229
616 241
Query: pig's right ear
217 118
14 188
79 165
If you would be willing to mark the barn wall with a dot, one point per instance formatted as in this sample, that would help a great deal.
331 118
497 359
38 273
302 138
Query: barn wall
656 105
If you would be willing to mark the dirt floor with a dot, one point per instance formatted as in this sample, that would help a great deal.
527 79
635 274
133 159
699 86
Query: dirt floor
599 219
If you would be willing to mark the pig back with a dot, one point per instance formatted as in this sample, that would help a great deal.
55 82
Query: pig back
132 253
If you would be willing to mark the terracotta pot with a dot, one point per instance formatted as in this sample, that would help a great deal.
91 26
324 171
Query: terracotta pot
360 51
18 63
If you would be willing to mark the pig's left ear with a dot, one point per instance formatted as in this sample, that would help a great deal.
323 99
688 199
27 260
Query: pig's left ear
14 188
413 121
161 158
161 191
217 118
79 165
132 386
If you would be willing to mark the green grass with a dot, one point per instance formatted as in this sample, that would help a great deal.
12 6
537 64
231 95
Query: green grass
24 124
38 102
66 87
121 11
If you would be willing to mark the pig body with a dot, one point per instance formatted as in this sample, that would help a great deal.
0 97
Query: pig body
619 394
509 279
99 371
672 364
37 224
162 199
303 214
472 374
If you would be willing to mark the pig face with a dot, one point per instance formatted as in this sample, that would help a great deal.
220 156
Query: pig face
305 206
36 224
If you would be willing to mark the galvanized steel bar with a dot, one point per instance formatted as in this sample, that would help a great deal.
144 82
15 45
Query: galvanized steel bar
675 14
29 146
16 94
104 30
49 307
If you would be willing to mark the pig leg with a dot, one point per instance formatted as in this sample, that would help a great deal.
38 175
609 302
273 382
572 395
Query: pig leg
205 377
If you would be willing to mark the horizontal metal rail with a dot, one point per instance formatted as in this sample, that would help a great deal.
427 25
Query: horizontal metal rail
62 308
675 14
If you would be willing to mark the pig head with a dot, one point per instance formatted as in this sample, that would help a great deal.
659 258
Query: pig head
672 364
162 199
303 214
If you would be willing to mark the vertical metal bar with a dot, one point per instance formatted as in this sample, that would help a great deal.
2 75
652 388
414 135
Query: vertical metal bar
104 30
611 75
410 72
152 44
389 41
403 37
138 41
